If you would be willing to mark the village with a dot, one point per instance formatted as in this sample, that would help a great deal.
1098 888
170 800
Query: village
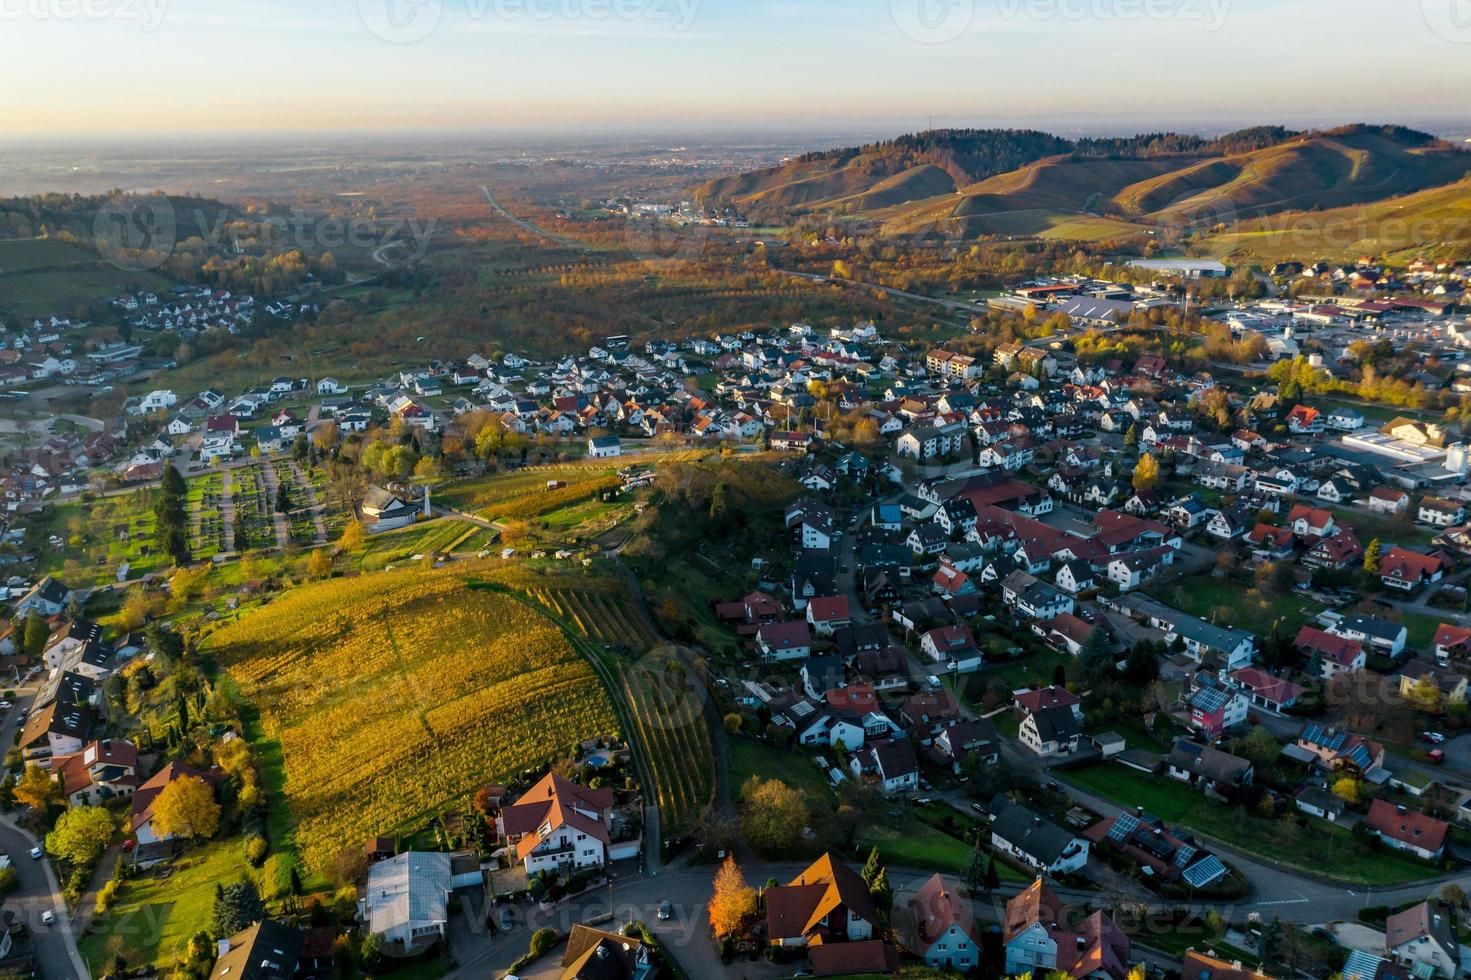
1101 631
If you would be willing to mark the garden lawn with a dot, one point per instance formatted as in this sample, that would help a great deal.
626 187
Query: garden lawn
154 917
751 758
1321 848
1227 603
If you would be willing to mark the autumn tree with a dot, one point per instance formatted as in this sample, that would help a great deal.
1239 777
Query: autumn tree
319 564
81 835
773 814
1426 695
353 539
733 901
1146 473
186 808
1347 789
37 789
1373 555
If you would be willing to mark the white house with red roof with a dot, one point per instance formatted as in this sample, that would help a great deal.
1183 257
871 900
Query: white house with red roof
1336 654
1451 643
558 824
1305 421
1313 521
1407 570
1407 830
785 641
825 614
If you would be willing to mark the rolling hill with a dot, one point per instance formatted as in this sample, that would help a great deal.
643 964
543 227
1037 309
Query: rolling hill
1103 189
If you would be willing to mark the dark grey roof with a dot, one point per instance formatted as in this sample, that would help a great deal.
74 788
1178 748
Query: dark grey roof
1029 833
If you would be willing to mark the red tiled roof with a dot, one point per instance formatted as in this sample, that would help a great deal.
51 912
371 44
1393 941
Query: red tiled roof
1410 826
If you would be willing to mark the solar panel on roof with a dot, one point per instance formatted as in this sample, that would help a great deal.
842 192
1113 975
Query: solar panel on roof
1359 756
1186 853
1123 826
1205 871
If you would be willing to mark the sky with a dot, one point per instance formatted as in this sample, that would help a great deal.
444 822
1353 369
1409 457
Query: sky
141 67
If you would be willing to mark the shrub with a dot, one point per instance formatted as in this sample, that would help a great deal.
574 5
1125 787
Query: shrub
9 880
543 941
255 850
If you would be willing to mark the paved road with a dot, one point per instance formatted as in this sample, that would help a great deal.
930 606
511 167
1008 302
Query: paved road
54 946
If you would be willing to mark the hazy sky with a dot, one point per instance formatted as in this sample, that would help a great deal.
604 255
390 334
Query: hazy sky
151 66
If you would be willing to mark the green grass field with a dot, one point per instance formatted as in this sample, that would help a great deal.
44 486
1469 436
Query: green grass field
750 758
155 916
1319 847
42 276
1230 604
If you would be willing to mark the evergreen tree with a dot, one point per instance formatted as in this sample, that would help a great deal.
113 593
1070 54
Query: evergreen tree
283 498
993 877
237 907
975 869
242 536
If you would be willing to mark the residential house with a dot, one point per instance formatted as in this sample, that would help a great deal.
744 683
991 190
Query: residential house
1407 830
406 901
1406 570
779 642
827 903
892 764
1217 773
1036 842
557 824
1040 940
938 927
267 950
1423 939
1382 635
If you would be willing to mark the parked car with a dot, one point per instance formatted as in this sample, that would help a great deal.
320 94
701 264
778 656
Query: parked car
1435 756
1434 738
666 910
48 917
36 853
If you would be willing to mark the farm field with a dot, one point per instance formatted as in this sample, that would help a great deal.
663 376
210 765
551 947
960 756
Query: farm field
662 703
388 698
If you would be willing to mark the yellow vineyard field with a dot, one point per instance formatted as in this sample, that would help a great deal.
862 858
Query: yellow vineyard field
394 696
